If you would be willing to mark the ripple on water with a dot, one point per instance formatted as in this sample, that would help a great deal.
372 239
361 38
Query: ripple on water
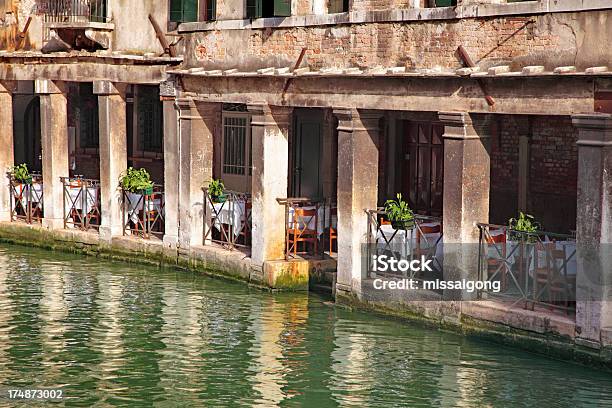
116 334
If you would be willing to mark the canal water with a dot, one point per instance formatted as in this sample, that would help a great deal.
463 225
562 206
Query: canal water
115 334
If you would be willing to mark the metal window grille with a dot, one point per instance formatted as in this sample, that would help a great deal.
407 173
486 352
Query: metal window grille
64 11
235 145
150 120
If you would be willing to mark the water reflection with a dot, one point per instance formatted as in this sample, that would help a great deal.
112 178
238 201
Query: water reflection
112 334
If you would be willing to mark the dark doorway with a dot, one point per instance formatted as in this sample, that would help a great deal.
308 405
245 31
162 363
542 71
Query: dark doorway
422 164
32 137
307 152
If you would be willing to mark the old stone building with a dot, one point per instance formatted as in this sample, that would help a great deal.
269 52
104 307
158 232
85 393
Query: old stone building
473 111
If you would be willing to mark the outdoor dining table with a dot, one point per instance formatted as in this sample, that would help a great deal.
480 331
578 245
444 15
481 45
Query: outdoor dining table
229 213
323 217
403 241
36 192
135 204
513 253
76 200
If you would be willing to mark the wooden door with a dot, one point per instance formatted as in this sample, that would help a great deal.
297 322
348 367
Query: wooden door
422 165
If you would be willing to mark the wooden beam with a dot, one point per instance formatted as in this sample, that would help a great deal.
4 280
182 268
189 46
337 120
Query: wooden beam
22 34
296 66
162 37
467 61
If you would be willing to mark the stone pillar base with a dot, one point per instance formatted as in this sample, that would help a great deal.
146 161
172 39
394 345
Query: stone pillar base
53 223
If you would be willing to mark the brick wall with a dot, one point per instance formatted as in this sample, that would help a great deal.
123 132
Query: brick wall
549 41
553 170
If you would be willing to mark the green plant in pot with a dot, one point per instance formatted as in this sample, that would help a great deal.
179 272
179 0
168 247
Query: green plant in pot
136 181
524 223
216 190
399 213
21 174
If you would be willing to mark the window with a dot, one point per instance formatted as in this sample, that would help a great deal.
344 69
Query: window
185 11
338 6
88 117
236 161
150 119
268 8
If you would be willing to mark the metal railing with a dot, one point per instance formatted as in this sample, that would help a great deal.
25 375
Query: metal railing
422 239
309 228
227 220
27 199
532 267
69 11
143 214
82 208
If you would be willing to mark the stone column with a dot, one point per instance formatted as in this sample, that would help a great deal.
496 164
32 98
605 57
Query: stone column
466 192
171 173
198 121
270 151
594 230
54 140
113 154
6 147
358 140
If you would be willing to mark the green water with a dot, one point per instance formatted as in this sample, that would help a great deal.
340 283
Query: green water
113 334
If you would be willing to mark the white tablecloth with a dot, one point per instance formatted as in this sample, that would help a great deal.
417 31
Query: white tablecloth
513 252
228 213
36 190
322 222
405 240
136 204
76 199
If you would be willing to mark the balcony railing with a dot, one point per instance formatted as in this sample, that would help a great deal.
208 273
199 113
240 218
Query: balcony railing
27 199
310 226
74 11
424 239
81 203
143 214
532 267
227 220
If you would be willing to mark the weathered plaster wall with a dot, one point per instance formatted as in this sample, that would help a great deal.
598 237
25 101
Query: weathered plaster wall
549 39
133 31
13 17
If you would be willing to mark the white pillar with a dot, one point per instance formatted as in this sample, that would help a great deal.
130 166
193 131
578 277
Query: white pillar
466 194
269 133
54 140
6 148
113 155
171 173
198 121
358 140
594 230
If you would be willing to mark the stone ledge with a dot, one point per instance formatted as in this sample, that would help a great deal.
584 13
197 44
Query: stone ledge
403 15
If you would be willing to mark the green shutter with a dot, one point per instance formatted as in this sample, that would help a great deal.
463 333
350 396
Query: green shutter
176 10
254 8
183 10
282 8
190 10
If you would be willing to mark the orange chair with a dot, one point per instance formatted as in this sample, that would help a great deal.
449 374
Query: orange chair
300 232
333 232
493 264
420 234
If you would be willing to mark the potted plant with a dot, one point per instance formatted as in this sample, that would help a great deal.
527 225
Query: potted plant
399 213
216 190
136 181
20 174
524 223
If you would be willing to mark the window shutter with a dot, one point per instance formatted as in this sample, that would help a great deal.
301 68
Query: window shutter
282 8
254 8
190 10
176 10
